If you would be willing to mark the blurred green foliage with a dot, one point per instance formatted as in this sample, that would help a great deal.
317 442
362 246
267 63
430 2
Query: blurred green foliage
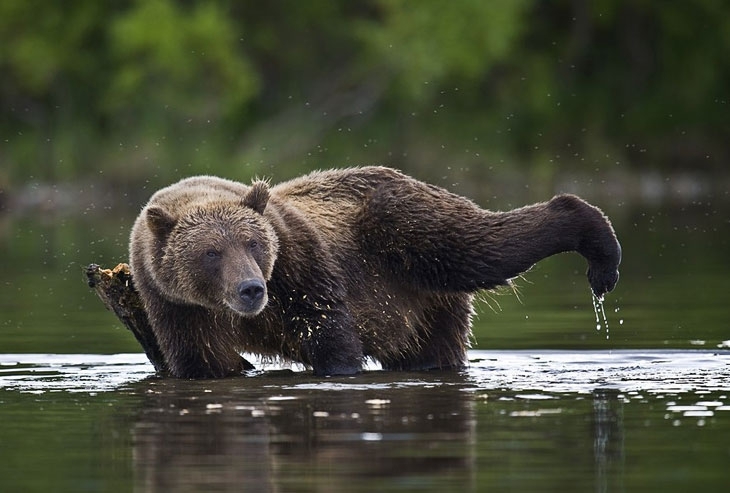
152 89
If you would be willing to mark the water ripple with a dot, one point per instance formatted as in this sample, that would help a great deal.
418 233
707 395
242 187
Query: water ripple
531 372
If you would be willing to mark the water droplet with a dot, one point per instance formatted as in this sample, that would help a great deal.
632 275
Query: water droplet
600 312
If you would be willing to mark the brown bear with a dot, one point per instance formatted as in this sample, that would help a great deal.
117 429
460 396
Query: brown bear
338 266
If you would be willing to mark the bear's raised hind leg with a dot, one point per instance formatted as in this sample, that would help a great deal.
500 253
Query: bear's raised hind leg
431 238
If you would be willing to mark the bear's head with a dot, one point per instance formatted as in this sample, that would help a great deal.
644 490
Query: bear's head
216 254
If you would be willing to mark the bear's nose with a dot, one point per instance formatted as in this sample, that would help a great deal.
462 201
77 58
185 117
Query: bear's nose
251 290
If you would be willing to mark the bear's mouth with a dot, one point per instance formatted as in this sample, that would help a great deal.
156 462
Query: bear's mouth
247 310
248 306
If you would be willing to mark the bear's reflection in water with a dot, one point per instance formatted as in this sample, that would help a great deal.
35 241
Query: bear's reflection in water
274 432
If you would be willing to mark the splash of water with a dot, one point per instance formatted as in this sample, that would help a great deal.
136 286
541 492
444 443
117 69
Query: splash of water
600 312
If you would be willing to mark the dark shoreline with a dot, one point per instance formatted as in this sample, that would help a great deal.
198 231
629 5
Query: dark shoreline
610 190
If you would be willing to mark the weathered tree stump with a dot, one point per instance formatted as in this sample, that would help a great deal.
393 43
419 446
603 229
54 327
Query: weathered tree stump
116 290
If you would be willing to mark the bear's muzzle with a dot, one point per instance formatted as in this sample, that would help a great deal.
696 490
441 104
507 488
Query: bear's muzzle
251 297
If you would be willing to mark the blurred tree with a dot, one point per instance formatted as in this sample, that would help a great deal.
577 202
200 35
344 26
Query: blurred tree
157 88
428 44
176 61
49 72
647 79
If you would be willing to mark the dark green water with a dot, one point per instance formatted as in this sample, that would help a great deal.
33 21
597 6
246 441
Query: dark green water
549 403
516 420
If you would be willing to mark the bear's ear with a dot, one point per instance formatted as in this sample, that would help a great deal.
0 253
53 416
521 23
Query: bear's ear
159 221
257 196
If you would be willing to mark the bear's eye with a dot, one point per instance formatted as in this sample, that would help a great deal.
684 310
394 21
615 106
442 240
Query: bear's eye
212 254
253 244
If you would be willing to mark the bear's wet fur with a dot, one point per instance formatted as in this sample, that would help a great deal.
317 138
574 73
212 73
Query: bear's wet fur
338 266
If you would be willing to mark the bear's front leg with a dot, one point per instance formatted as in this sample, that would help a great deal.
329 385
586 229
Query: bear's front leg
194 342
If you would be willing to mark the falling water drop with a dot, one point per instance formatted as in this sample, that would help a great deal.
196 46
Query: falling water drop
621 321
600 313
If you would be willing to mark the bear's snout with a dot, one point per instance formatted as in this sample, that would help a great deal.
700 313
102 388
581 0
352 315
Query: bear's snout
251 292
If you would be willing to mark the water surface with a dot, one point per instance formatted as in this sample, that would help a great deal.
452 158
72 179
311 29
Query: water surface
527 420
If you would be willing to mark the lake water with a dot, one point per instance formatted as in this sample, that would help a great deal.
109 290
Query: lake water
620 420
548 402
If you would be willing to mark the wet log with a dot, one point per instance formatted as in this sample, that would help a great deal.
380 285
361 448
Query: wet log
116 290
